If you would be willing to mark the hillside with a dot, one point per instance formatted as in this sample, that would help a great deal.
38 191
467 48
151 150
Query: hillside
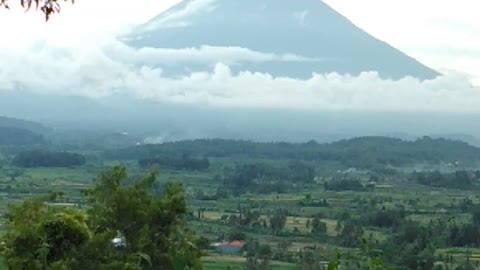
8 122
10 136
280 37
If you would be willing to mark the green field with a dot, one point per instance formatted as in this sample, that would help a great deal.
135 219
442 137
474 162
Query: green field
298 220
235 263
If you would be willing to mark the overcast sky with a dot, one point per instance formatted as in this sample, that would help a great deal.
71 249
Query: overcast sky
444 35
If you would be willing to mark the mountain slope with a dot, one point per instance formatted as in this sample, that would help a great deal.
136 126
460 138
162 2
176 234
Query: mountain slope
168 122
11 136
305 36
8 122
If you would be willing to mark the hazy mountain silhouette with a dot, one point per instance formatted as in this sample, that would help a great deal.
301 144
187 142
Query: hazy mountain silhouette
322 39
8 122
166 122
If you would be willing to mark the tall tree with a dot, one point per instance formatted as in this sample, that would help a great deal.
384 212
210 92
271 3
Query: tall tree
128 226
278 221
258 256
319 228
151 225
39 236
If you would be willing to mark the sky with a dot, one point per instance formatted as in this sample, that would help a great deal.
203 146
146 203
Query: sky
76 53
444 35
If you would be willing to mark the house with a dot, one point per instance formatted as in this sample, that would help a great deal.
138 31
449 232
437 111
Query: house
234 247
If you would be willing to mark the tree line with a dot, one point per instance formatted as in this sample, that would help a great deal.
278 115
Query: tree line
460 179
40 158
362 152
344 184
264 178
185 162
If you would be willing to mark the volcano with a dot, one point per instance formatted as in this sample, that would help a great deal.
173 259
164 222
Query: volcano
288 38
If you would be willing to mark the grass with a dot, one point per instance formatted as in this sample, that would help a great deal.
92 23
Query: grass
238 263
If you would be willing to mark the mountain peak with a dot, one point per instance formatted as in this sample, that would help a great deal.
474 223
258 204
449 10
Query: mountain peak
322 40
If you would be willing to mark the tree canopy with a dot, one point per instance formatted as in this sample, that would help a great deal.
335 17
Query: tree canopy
32 159
362 152
129 225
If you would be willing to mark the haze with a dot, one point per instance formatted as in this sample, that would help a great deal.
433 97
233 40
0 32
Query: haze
75 73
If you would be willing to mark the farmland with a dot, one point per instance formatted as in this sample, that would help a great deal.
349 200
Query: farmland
297 212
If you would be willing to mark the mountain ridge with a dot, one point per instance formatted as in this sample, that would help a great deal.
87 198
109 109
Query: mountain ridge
308 28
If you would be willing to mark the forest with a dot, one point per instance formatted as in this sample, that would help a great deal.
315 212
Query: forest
364 152
48 159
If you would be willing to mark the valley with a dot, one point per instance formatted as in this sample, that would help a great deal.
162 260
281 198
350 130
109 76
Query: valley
239 135
292 206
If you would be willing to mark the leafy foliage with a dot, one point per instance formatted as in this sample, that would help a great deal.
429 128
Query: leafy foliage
278 221
149 229
264 178
459 179
319 228
384 218
258 256
344 184
39 235
48 7
184 163
150 225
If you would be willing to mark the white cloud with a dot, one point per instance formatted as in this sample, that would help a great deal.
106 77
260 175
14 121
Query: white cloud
98 72
203 54
417 27
65 57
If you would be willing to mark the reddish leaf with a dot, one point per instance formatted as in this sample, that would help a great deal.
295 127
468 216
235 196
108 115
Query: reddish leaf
29 5
57 7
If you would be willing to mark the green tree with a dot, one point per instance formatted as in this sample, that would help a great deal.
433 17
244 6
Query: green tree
149 229
350 234
14 173
258 256
310 259
283 251
278 221
476 215
39 236
151 225
319 228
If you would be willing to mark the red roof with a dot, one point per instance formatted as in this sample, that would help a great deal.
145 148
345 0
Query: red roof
239 244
